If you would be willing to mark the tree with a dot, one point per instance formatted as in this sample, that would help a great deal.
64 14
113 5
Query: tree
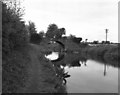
53 32
35 38
59 33
42 34
95 42
15 6
86 40
32 28
14 33
105 42
78 39
75 39
71 36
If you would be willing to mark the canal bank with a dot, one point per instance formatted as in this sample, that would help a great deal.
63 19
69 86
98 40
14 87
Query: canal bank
41 74
106 53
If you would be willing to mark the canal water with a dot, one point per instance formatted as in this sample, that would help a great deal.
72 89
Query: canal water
87 75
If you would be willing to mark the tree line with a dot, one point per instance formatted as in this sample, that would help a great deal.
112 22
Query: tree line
15 33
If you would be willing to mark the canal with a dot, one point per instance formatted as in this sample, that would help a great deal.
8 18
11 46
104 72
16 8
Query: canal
86 75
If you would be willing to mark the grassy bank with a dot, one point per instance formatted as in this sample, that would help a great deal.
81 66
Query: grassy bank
14 70
106 53
27 71
41 73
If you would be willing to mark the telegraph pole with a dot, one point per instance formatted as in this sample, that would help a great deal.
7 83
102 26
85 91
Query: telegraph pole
106 31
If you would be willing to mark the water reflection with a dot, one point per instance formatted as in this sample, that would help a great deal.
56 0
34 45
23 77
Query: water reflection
82 75
105 71
52 55
75 63
95 78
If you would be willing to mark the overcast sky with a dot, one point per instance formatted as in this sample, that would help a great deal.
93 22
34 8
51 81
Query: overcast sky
83 18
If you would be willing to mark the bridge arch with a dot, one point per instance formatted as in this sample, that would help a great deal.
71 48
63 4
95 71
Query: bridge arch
61 44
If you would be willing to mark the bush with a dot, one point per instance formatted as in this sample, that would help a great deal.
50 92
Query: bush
35 38
14 33
14 39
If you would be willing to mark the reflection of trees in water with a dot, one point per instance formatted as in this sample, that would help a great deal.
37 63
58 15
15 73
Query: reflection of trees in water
107 61
71 60
78 62
75 63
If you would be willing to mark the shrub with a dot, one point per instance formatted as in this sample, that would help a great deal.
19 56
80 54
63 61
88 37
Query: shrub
35 38
14 33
